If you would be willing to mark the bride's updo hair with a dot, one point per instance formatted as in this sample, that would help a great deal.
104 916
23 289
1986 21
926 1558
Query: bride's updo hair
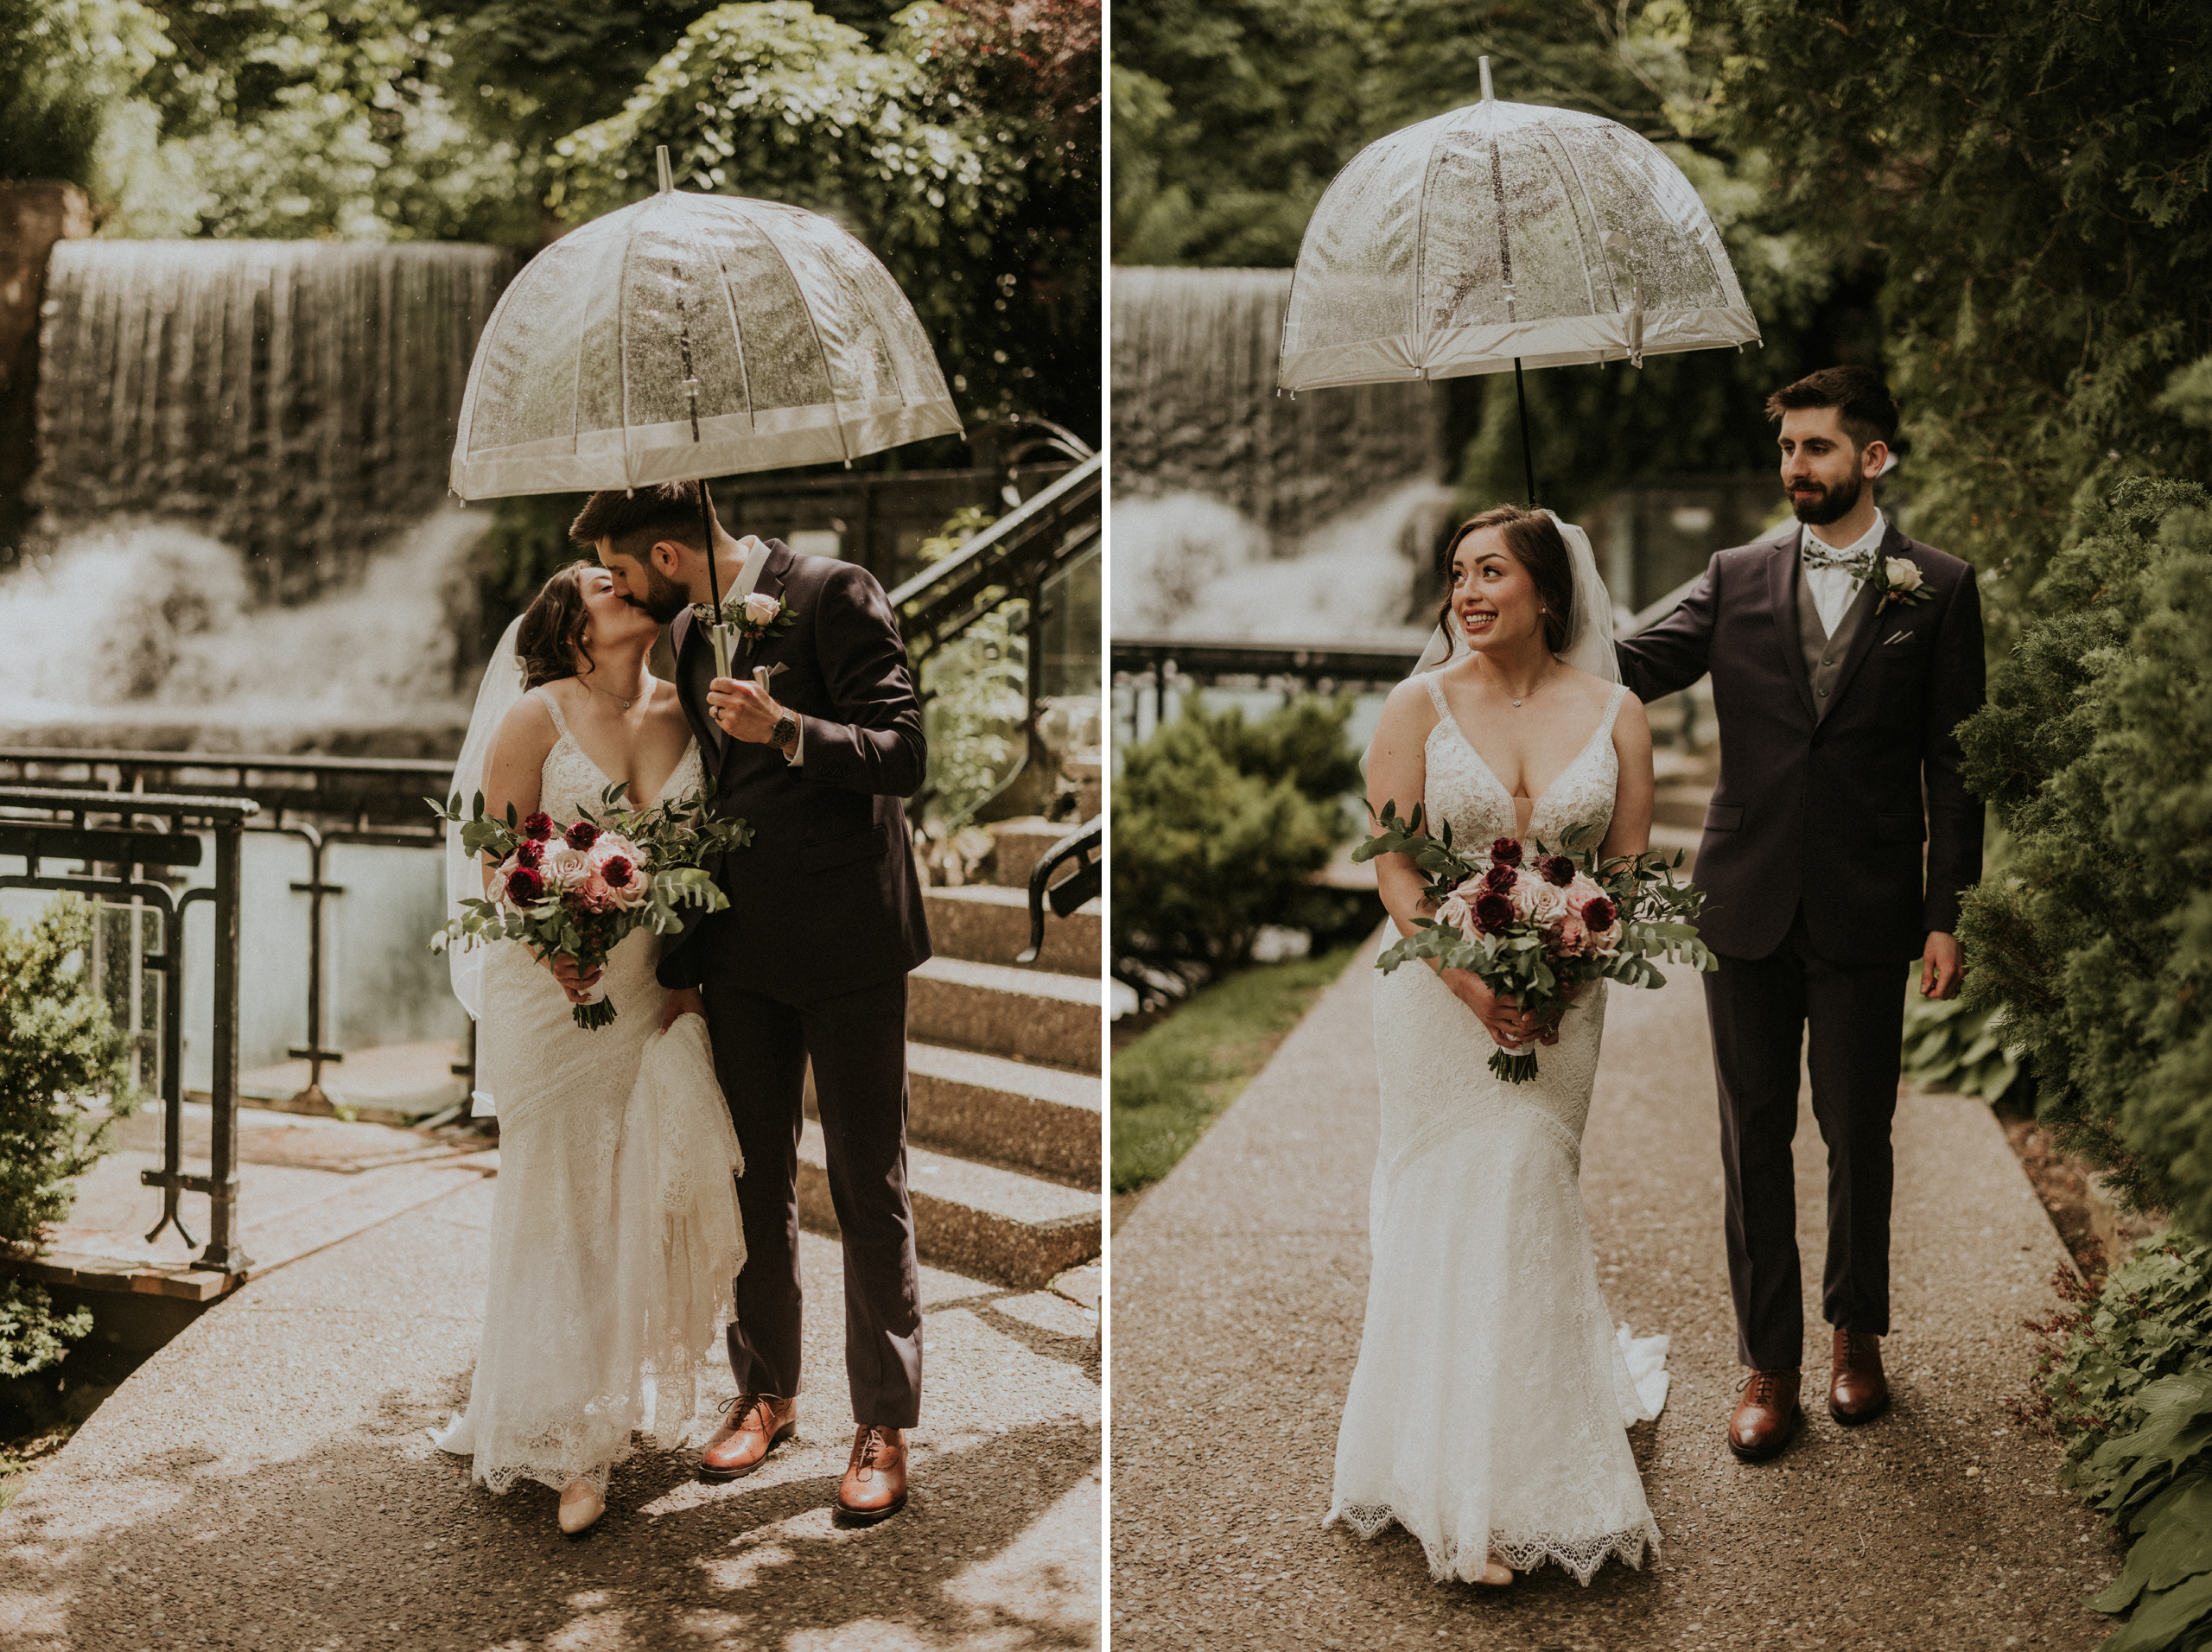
551 634
1537 544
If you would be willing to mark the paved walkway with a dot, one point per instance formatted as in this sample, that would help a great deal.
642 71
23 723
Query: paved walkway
1239 1286
265 1482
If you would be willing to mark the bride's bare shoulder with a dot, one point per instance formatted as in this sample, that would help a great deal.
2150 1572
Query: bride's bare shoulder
527 728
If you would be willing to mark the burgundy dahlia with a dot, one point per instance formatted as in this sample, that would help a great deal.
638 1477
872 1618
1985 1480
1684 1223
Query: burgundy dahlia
1500 878
1557 868
524 886
537 828
1493 913
618 871
582 836
530 852
1598 913
1506 851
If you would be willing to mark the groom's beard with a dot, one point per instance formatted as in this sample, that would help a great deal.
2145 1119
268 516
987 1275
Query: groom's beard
663 598
1828 505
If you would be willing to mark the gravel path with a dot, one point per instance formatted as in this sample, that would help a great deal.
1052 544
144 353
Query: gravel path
1238 1289
265 1482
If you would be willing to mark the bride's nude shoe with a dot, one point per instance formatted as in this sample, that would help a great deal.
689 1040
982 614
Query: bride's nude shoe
580 1507
1495 1575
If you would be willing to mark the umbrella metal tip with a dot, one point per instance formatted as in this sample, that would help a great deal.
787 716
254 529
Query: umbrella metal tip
1488 95
668 182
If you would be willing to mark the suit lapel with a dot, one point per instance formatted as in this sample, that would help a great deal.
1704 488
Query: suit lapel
1782 598
1858 618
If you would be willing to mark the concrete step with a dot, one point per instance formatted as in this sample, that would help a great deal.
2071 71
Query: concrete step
1029 1014
989 923
1010 1113
1021 843
975 1219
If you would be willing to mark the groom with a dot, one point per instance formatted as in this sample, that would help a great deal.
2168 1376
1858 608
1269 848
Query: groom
1843 656
809 962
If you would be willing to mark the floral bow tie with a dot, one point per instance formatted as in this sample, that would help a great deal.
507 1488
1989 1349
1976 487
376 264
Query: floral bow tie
1819 554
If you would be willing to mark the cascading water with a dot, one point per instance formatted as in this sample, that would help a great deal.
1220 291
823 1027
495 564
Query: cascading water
293 399
1242 513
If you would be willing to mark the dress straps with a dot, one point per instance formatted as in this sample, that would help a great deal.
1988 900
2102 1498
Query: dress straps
545 697
1436 694
1613 709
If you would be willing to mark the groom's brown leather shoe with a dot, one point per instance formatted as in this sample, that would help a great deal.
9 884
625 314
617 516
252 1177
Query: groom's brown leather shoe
1765 1417
874 1486
1857 1391
756 1425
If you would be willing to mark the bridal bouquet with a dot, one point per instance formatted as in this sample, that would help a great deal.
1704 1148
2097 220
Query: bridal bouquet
1538 927
579 888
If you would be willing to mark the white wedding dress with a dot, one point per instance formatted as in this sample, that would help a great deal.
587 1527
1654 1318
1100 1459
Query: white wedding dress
1488 1411
614 1224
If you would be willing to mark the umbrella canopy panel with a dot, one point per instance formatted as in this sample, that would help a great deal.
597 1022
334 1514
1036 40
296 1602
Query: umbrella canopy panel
799 346
1503 231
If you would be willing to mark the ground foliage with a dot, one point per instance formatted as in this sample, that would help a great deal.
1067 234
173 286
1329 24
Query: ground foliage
2032 181
2125 1380
1230 120
2096 750
1219 826
58 1049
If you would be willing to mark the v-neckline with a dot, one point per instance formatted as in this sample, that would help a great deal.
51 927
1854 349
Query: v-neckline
568 735
1444 705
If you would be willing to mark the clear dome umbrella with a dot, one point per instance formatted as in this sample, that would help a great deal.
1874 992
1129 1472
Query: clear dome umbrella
689 336
1501 234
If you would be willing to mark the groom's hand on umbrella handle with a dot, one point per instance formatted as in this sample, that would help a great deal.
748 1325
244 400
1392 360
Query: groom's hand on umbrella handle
1941 968
741 710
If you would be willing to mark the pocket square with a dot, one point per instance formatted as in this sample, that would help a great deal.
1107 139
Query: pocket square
1902 636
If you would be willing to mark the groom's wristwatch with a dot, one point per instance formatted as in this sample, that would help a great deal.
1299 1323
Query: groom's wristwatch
784 734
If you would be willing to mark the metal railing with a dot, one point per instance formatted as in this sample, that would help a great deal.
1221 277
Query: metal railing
96 828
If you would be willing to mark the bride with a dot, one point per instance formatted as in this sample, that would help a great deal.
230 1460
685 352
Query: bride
1488 1411
614 1224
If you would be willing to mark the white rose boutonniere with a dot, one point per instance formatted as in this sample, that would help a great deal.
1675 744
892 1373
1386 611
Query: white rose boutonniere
1902 583
754 615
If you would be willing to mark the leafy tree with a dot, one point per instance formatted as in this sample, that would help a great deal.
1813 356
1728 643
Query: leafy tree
960 197
58 1048
2031 183
2096 749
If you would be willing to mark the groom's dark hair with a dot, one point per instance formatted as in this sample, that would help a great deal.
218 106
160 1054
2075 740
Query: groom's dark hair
634 520
1863 405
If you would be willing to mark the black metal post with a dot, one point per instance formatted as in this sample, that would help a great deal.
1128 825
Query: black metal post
314 889
224 1251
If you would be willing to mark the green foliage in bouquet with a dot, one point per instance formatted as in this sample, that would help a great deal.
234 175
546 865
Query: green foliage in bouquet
2126 1383
2096 748
58 1049
1654 916
675 838
1219 827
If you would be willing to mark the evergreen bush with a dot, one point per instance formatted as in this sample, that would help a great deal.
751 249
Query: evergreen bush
2095 748
1219 826
59 1048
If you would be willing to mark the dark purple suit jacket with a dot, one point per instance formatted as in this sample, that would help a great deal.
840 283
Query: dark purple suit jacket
1823 802
826 901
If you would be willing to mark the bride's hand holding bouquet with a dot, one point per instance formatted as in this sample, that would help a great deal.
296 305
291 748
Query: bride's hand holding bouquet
572 891
1535 927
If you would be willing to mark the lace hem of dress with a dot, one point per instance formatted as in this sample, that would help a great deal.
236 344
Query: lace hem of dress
1581 1556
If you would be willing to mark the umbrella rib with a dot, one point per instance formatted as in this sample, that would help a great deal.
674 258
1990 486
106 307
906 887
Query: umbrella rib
1420 328
1504 248
737 336
830 379
1612 287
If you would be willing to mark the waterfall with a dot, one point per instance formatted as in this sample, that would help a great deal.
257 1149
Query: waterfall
292 400
1242 513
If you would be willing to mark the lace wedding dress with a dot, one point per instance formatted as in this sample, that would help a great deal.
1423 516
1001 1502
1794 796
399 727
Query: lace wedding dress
1488 1411
614 1226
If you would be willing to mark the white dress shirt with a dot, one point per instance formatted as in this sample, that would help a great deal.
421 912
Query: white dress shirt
748 575
1833 588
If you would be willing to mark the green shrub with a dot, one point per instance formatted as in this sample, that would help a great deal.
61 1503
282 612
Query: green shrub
2126 1383
2096 750
1207 850
58 1048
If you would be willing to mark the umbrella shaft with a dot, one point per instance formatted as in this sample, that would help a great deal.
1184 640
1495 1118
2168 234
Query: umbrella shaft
1527 455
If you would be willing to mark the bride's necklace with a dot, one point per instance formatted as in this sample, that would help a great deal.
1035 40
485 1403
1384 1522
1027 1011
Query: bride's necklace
634 699
1528 693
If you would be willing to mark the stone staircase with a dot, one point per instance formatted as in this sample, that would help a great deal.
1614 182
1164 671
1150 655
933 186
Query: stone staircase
1003 1122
